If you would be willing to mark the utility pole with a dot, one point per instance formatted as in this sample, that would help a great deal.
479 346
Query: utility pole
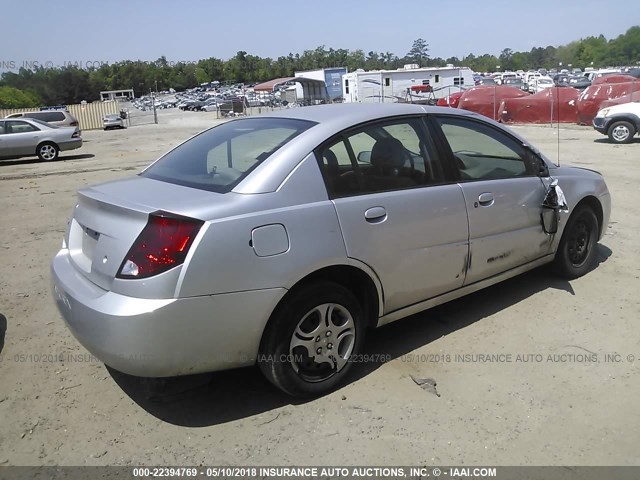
155 112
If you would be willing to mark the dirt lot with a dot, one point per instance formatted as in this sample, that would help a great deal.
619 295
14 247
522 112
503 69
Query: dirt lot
550 406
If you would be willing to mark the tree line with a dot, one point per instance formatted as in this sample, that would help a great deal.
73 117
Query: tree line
70 85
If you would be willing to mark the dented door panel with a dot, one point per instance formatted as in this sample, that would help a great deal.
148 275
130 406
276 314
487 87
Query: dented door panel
505 230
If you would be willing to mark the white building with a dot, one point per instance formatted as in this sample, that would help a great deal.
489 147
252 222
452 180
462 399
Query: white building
109 95
407 84
332 77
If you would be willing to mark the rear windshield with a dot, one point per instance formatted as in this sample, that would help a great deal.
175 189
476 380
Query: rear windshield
40 122
46 116
219 158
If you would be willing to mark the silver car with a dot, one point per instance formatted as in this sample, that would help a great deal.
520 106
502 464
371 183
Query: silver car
112 120
25 137
279 240
59 118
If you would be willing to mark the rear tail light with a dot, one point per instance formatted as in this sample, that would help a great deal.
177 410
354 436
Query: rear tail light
163 244
74 124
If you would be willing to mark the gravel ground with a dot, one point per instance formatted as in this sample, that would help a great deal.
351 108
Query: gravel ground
549 405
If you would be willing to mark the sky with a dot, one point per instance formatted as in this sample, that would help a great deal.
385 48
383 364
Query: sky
90 32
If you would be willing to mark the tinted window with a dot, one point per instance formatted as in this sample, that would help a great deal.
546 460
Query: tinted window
379 157
1 128
219 158
16 126
483 153
42 122
46 116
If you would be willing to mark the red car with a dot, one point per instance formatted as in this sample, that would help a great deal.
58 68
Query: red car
450 101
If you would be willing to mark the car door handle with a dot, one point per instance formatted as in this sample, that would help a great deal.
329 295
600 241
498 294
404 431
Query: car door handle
375 215
485 199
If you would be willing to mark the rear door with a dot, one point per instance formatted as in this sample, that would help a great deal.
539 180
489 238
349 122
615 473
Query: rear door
503 195
398 210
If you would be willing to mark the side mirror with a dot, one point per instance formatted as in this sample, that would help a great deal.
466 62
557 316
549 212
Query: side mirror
364 157
543 170
549 218
535 161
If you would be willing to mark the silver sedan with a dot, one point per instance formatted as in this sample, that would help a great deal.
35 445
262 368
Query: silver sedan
278 240
27 137
113 120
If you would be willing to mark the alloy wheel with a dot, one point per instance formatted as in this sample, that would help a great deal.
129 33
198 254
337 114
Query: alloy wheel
322 342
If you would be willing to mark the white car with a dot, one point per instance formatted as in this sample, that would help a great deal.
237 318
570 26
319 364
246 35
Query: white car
541 83
619 122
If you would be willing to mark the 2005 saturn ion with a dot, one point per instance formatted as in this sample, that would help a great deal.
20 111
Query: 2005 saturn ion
279 240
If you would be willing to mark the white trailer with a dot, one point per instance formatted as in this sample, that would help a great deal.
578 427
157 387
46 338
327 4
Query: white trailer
407 84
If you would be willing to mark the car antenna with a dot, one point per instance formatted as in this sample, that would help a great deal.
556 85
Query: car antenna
558 120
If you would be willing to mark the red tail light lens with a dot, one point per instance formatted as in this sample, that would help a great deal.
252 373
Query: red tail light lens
163 244
74 124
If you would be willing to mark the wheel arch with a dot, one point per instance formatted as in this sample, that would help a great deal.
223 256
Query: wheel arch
634 120
360 282
593 203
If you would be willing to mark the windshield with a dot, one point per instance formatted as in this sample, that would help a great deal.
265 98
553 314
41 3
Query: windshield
219 158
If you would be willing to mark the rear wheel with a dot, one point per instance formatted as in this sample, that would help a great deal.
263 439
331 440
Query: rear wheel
47 151
309 343
621 132
577 250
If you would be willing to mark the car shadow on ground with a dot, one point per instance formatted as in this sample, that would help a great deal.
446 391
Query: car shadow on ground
62 158
606 140
220 397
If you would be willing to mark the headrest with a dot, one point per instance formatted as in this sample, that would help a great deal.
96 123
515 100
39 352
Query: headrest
388 153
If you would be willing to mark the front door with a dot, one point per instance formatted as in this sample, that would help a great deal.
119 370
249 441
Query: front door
503 195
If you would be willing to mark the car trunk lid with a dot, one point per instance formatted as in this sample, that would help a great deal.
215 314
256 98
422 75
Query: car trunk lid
109 217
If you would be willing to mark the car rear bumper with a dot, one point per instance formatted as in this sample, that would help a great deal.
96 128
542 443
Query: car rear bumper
70 145
162 337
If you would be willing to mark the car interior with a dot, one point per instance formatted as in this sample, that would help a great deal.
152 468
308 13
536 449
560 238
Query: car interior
388 165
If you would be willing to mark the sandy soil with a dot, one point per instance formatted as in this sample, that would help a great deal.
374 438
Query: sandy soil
59 406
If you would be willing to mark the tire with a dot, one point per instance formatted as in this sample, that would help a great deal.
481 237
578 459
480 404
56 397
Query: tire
577 250
292 368
621 132
47 152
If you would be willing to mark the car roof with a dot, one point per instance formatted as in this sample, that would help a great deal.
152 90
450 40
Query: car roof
329 120
32 121
341 116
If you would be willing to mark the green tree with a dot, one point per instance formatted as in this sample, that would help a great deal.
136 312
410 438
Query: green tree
11 97
419 52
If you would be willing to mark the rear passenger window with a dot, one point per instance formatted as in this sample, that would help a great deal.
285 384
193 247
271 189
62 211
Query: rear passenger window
15 126
379 157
